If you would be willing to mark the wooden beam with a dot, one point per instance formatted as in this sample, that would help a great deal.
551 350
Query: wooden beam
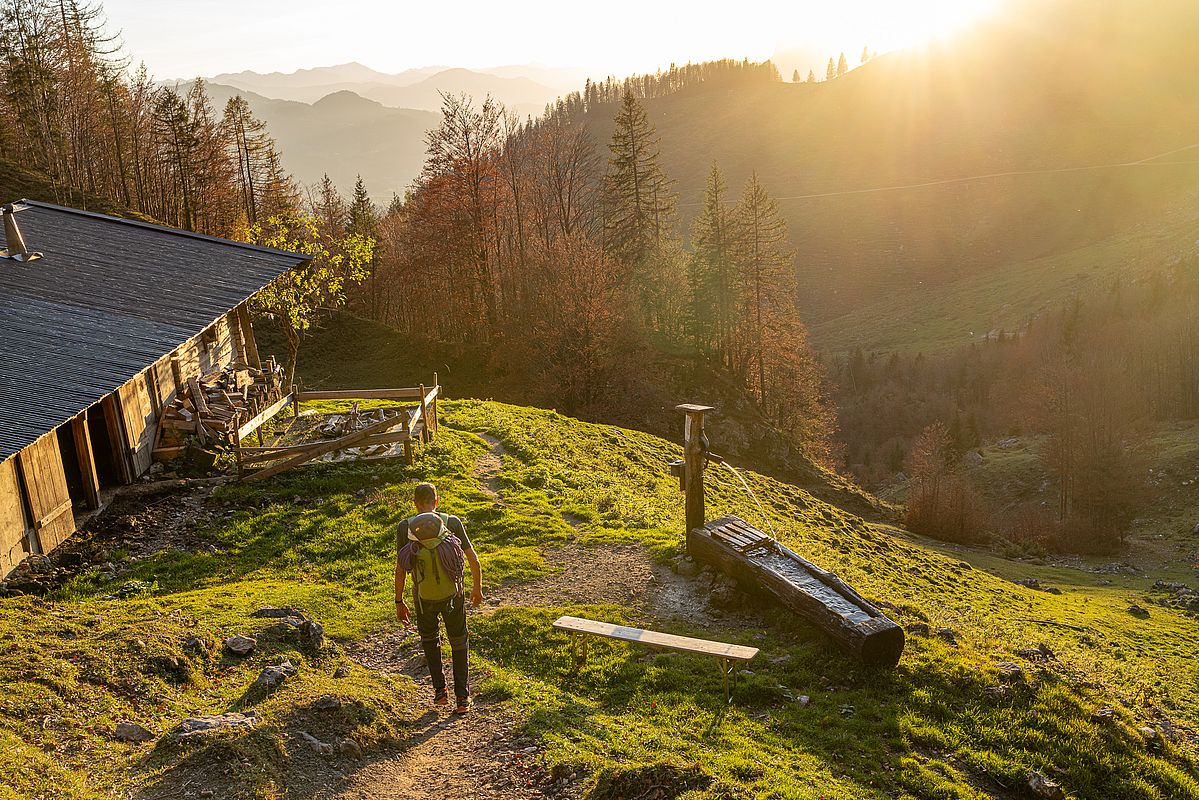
246 329
113 421
257 455
87 460
254 422
325 447
695 446
413 393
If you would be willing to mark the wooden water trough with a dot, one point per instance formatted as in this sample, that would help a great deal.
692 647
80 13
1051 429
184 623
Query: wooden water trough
759 562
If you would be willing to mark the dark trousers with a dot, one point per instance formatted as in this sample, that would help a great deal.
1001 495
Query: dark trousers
453 613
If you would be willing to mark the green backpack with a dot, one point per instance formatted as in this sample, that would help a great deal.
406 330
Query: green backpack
431 580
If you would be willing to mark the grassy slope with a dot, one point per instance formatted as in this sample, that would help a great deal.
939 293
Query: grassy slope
321 538
17 183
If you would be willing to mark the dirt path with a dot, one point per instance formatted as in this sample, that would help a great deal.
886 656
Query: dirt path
489 756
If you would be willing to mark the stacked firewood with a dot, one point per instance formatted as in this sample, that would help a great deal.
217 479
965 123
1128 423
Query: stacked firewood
212 407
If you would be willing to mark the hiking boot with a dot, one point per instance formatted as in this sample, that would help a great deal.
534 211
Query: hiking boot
463 706
441 698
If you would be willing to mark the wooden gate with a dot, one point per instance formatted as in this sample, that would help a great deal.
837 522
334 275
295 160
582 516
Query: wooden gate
14 530
45 482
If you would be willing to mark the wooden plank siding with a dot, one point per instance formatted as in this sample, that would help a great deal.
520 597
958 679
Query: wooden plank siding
14 528
45 481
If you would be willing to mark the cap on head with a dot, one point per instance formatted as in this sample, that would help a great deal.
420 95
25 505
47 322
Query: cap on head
424 494
425 526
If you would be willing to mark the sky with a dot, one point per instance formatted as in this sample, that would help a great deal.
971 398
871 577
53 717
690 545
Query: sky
186 38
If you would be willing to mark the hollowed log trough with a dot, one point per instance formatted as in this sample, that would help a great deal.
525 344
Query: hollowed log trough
758 561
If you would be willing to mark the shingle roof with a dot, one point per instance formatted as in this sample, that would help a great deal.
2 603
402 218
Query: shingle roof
110 297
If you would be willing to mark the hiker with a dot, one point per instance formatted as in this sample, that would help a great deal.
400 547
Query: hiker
433 547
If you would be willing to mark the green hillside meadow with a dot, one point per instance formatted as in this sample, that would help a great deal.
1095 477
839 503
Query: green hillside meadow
947 723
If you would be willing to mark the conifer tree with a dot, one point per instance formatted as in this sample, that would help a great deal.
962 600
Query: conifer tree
640 211
842 66
329 207
712 273
811 76
795 76
831 71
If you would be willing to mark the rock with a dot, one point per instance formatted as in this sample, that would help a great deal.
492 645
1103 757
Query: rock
239 645
272 612
195 726
349 747
132 732
1041 786
847 710
324 748
195 644
341 672
948 635
803 700
157 468
1039 653
973 458
326 702
270 677
1011 671
1009 443
1137 611
1104 715
313 633
917 629
1195 530
724 597
1147 732
686 566
996 693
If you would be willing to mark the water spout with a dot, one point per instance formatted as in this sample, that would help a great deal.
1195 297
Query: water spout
765 516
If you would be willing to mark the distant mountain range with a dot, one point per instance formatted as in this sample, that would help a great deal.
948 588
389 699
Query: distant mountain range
344 135
525 89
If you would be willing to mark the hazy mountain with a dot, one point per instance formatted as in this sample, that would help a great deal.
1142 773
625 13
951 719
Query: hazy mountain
344 135
415 88
1044 101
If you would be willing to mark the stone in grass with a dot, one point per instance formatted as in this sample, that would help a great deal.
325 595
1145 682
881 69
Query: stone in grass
803 700
847 710
1149 733
326 702
234 720
918 629
195 644
349 747
341 672
272 612
1042 786
132 732
1011 672
324 748
1104 715
1138 611
240 645
948 635
313 633
270 677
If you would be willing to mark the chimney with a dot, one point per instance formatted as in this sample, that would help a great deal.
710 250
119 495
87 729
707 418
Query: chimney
16 250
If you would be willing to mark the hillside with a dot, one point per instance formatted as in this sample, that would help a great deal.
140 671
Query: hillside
577 518
349 352
943 260
17 183
344 135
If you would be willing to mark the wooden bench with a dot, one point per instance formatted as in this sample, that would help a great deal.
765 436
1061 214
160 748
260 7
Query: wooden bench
728 655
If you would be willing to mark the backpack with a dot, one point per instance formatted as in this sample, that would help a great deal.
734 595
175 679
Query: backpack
436 565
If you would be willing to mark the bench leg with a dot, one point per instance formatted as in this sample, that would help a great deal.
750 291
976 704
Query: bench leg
725 671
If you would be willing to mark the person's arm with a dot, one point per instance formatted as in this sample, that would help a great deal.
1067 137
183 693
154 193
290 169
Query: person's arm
476 577
401 607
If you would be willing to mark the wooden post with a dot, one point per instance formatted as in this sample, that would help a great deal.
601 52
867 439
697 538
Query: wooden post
295 400
247 336
87 460
111 407
424 415
695 447
437 386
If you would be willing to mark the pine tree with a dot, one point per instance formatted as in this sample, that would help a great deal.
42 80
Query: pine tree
795 76
363 217
865 54
811 76
329 207
712 273
831 71
842 66
640 211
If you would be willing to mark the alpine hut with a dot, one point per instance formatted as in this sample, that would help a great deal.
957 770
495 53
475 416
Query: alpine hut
103 321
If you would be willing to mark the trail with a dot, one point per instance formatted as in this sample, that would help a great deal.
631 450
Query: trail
483 754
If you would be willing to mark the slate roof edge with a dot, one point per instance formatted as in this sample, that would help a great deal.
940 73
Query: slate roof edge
299 257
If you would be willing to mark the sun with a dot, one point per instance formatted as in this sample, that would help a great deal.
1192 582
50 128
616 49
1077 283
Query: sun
916 22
